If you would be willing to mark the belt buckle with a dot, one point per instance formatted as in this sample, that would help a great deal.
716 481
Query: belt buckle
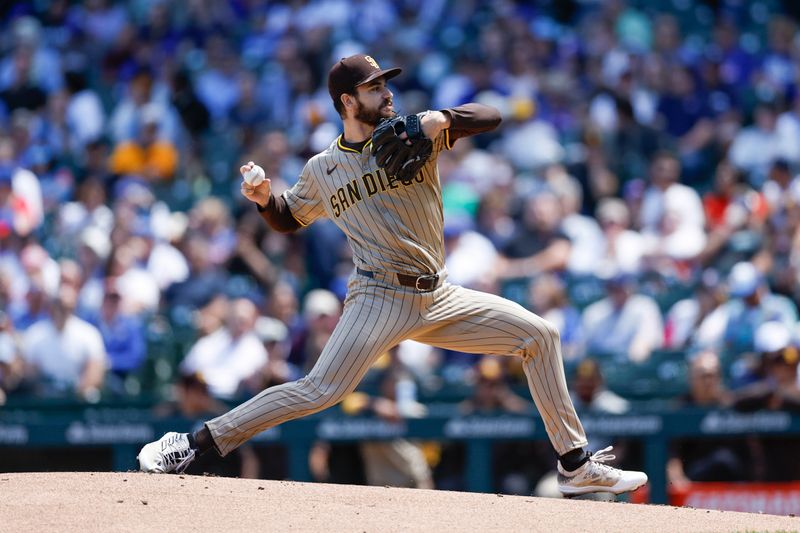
433 280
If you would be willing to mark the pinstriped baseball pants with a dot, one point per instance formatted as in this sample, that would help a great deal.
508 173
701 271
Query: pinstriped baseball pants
376 317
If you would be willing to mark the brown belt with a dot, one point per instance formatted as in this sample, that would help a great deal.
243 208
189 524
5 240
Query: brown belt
424 283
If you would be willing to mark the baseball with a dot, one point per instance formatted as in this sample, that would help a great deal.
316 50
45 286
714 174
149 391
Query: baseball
254 176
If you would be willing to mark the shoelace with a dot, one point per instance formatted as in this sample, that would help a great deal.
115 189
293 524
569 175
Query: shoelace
600 457
174 456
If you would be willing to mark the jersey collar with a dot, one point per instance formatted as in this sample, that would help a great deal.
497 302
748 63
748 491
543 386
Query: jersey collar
343 148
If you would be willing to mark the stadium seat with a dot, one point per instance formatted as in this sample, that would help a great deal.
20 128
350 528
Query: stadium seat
664 375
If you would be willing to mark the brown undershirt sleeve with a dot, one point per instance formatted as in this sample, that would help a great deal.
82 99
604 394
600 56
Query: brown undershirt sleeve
278 215
471 119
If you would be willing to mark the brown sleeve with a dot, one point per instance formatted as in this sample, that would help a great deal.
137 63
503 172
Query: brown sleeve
278 215
470 119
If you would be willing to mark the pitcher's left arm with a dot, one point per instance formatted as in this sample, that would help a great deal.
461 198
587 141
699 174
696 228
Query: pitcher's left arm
460 121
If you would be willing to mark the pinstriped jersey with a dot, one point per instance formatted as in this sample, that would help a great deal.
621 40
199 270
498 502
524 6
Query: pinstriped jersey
390 226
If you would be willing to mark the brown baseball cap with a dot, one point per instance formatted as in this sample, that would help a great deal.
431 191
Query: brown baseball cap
350 72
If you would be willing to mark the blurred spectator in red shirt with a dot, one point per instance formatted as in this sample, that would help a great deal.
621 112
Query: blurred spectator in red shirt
731 199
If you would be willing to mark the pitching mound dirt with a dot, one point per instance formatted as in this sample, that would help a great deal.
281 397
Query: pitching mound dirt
139 502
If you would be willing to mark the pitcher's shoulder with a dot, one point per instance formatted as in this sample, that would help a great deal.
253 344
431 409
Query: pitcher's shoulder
326 155
319 161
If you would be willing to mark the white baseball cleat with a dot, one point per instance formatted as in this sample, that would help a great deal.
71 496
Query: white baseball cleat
170 453
594 476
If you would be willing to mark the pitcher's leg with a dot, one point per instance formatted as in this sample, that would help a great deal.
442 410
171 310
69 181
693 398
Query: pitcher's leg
548 386
477 322
377 320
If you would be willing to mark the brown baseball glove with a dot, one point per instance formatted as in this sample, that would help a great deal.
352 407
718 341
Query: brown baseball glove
400 157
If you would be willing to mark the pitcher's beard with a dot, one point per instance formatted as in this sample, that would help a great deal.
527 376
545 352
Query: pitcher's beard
372 116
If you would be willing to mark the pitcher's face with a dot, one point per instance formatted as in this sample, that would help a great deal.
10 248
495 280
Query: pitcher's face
374 101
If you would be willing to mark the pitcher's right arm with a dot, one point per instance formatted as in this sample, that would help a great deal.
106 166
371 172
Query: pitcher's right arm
295 208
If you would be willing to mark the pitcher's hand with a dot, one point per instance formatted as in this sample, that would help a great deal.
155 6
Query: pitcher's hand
258 194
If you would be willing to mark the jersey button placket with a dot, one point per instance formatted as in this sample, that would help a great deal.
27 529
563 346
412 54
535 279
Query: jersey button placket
366 156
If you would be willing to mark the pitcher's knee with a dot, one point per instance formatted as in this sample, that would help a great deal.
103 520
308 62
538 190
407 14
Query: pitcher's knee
545 340
320 396
331 398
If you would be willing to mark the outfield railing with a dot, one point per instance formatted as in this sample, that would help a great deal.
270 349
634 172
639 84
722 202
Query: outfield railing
125 429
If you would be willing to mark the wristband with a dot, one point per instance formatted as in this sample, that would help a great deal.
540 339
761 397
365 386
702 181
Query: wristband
414 126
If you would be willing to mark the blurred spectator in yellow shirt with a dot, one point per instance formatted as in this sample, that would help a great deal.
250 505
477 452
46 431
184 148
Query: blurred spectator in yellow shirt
147 156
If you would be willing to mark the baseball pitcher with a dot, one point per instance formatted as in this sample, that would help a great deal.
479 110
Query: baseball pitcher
379 183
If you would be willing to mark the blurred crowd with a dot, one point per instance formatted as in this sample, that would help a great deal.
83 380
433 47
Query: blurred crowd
642 192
